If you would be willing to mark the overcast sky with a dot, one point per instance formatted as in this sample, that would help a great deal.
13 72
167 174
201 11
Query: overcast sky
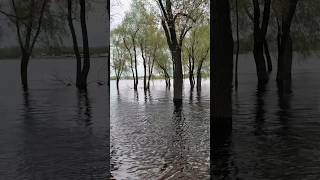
118 10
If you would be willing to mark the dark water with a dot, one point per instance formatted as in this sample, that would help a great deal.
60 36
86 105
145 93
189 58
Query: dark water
53 131
151 139
274 136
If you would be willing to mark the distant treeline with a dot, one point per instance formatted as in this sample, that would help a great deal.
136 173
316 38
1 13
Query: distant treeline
15 52
205 75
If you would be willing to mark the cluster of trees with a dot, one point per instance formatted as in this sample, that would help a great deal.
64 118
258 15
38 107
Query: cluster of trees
275 31
47 21
289 23
169 36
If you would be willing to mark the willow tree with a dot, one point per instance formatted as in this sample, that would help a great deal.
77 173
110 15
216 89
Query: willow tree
130 32
119 59
27 17
177 18
149 39
196 52
163 65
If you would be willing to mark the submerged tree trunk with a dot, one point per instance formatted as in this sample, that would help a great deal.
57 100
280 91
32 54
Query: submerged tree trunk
285 47
191 69
259 38
144 67
24 69
177 76
75 44
86 53
135 62
221 76
150 72
222 65
199 79
118 80
175 44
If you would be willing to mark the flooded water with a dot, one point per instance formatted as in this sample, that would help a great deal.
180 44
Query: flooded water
151 139
53 131
274 136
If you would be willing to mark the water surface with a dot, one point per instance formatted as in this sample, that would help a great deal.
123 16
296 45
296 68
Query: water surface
151 139
53 131
274 135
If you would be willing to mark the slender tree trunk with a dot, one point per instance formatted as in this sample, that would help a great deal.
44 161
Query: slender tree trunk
199 79
135 63
75 43
191 76
268 56
24 69
118 80
86 53
144 67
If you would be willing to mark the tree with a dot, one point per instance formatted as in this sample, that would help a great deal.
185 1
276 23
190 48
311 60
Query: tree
27 17
288 9
130 31
176 20
260 36
85 42
82 63
163 65
119 60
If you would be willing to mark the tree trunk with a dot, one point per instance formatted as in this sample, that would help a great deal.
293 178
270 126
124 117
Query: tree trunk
259 38
199 80
86 53
285 49
260 61
267 53
177 76
75 44
118 80
24 69
135 63
222 64
221 88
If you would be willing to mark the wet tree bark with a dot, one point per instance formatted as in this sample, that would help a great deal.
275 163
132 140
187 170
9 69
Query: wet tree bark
285 48
222 65
86 53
